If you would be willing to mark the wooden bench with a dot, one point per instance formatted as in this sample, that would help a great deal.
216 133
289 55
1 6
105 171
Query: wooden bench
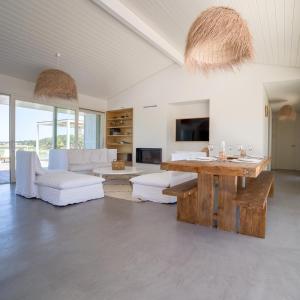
186 194
252 202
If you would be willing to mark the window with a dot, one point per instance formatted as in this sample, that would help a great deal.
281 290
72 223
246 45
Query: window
65 132
90 126
34 129
42 127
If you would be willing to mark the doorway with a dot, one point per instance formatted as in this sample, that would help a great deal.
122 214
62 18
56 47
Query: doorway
286 143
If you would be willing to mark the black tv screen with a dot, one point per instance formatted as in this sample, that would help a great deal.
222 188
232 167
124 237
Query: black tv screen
192 129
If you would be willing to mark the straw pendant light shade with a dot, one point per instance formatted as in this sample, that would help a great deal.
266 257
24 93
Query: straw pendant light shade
218 39
55 83
287 113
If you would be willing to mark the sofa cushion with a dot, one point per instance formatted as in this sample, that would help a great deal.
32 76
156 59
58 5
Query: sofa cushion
67 180
76 156
98 155
163 179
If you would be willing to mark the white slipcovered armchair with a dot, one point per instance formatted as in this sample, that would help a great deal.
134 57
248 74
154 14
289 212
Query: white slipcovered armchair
54 186
149 187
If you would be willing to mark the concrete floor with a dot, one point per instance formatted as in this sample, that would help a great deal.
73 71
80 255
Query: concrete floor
116 249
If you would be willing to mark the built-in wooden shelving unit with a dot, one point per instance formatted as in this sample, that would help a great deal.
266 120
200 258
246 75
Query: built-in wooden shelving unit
119 131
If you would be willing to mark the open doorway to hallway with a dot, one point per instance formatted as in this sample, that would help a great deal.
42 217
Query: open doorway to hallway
285 133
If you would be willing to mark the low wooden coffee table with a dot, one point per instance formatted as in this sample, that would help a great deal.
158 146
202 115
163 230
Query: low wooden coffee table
108 171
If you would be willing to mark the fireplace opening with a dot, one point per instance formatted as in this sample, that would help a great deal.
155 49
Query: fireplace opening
148 155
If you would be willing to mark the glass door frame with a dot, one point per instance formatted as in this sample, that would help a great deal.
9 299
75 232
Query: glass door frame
11 136
100 129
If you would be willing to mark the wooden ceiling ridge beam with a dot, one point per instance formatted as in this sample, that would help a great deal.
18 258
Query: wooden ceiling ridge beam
124 15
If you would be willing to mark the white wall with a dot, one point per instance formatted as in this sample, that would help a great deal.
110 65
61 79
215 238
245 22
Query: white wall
23 90
236 103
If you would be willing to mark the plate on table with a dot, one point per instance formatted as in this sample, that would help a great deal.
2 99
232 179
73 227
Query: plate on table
204 158
247 160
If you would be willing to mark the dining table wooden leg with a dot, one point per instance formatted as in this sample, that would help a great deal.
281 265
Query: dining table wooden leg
226 205
205 197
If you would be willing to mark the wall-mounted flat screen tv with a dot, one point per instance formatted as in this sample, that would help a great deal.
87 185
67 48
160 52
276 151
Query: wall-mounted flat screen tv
192 129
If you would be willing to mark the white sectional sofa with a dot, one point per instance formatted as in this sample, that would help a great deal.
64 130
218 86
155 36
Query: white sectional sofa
83 160
149 187
57 187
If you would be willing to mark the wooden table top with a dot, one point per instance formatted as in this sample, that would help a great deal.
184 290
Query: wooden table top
217 167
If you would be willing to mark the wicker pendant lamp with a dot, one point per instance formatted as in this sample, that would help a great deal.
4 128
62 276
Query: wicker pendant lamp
218 39
55 83
287 113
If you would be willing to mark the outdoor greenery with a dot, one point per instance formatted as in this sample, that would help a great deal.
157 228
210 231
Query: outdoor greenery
44 145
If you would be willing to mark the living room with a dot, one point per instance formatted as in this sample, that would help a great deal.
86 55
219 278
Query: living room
149 149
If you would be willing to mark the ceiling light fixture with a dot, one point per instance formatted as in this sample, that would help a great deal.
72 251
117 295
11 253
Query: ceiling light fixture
54 83
287 113
218 39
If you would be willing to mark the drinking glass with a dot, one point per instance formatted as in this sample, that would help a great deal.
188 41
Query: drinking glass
210 149
249 150
230 150
242 151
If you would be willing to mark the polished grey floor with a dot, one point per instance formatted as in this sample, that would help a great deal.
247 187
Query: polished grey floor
116 249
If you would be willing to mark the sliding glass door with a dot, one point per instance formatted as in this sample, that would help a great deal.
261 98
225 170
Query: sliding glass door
34 129
37 127
4 139
65 130
90 133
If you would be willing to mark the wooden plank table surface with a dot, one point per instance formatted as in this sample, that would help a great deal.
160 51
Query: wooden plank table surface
228 173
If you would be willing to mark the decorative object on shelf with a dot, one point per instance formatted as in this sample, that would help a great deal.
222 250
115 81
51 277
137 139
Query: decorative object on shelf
115 131
118 165
218 39
287 113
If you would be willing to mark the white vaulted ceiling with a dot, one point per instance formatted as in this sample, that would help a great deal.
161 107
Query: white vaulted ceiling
106 57
100 53
274 24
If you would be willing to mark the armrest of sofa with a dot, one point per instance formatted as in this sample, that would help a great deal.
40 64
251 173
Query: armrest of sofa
26 166
58 159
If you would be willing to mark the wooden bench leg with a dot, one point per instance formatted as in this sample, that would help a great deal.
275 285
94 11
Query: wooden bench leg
253 221
187 208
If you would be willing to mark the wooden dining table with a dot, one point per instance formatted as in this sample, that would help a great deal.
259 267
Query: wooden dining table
223 213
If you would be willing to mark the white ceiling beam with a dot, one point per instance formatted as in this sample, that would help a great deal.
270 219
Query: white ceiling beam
119 11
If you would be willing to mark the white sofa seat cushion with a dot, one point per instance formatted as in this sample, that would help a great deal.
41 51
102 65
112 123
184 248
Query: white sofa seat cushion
67 180
163 179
